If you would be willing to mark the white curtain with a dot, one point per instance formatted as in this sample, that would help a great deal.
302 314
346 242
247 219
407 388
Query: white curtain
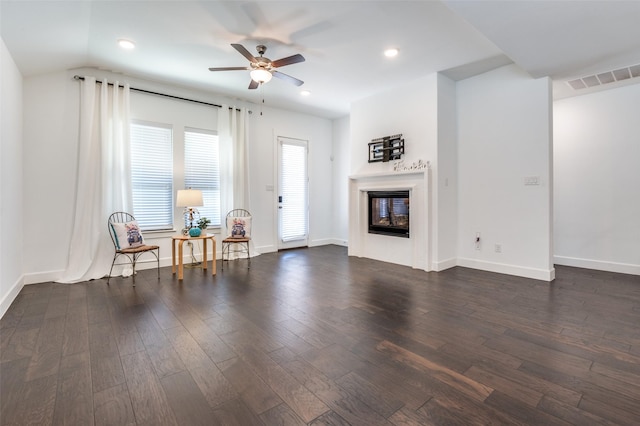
103 183
234 164
232 133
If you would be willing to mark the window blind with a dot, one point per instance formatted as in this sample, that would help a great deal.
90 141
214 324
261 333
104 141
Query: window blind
152 175
294 192
202 170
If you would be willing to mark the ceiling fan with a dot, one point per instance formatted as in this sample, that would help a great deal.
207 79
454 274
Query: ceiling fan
262 68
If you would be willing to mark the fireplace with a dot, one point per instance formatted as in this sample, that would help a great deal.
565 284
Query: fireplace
389 213
413 251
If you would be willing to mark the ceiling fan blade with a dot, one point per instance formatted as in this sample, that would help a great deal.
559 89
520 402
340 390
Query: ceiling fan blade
229 69
294 59
254 84
244 52
283 76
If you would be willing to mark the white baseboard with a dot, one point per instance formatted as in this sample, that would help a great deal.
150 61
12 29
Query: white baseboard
622 268
521 271
53 276
267 249
11 295
314 243
328 241
444 264
42 277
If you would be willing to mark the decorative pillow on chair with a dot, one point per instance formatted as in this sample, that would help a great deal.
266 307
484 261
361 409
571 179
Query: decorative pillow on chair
239 227
127 235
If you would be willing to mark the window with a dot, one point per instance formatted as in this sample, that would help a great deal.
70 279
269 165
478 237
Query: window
202 170
293 187
153 179
152 175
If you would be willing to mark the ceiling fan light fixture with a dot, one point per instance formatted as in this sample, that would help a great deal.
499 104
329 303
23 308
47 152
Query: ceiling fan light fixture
261 75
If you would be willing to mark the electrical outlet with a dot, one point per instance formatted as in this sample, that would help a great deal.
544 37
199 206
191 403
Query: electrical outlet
498 248
531 180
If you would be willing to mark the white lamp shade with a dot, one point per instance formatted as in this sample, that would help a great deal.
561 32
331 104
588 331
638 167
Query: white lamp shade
260 75
189 198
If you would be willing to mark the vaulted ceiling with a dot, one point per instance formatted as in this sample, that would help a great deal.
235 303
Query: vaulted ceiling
342 41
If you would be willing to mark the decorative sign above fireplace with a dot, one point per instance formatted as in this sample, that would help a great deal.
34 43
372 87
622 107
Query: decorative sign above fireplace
386 148
389 213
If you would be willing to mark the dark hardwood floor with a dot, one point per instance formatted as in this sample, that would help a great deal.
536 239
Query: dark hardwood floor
312 336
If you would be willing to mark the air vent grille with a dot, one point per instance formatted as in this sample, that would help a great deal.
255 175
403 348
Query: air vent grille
605 78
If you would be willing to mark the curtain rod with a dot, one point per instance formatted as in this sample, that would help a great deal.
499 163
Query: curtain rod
79 77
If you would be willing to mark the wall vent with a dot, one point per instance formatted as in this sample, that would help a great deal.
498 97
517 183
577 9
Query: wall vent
605 77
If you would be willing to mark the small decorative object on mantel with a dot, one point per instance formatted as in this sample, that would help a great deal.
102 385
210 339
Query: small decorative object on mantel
401 166
195 232
386 148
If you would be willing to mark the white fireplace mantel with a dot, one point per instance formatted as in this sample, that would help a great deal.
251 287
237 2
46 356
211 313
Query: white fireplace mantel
364 176
413 251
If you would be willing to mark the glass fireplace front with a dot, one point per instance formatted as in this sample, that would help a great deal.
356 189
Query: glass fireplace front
389 213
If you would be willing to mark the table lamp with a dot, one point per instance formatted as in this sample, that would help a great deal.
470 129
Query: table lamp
189 199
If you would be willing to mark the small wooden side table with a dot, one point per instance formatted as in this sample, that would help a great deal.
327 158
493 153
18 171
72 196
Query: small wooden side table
180 239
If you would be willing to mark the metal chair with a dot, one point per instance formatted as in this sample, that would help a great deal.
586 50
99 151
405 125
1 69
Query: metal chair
239 239
131 253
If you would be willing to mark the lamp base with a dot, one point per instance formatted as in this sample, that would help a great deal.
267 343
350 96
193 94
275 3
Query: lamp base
191 216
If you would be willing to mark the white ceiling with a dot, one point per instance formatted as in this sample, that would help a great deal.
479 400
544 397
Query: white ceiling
342 41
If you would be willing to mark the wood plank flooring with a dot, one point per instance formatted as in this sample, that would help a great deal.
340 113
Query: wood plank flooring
312 336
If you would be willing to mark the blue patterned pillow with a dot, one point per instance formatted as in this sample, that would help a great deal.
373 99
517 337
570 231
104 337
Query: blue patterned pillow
127 235
239 227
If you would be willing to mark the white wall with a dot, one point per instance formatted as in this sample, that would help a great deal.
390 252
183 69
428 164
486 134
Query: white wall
12 222
504 135
341 163
50 151
411 110
52 101
445 215
597 180
264 130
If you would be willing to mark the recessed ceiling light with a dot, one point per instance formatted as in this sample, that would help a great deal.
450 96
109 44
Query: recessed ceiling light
390 53
305 93
126 44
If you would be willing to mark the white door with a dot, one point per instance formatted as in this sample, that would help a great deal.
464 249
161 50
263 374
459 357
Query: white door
293 193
